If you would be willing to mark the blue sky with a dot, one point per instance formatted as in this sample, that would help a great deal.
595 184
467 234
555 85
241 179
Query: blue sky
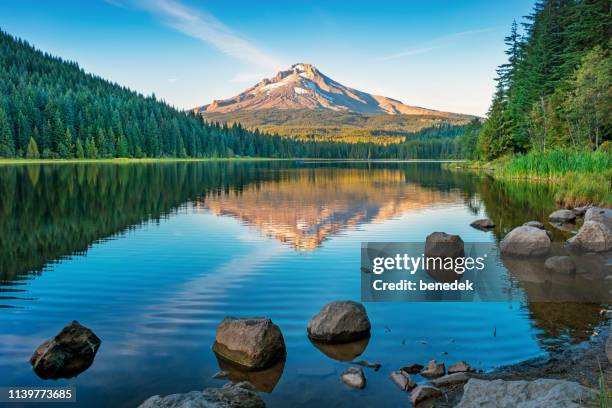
436 54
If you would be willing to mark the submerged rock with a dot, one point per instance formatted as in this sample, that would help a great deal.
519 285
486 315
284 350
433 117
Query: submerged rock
524 394
412 368
402 380
433 370
526 241
562 216
603 215
450 380
339 322
563 264
241 395
483 224
66 355
461 367
353 377
423 393
592 236
535 224
254 343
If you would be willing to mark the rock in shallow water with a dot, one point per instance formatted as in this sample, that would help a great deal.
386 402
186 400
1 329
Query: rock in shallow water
433 370
353 377
450 380
562 216
412 368
483 224
525 241
66 355
524 394
592 236
461 367
603 215
402 380
423 393
254 343
339 322
241 395
563 264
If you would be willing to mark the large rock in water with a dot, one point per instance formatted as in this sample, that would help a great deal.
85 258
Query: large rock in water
254 343
340 322
441 244
592 236
484 224
603 215
66 355
353 377
525 241
562 216
241 395
524 394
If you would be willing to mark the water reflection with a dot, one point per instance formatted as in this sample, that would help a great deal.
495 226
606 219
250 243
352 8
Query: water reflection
343 352
263 380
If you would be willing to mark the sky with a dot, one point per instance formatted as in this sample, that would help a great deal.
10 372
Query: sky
436 54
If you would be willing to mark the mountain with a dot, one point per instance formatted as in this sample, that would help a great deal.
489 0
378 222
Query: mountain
302 101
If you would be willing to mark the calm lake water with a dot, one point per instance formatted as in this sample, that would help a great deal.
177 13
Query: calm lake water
152 257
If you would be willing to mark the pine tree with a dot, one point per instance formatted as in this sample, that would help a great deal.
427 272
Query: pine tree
7 144
32 151
80 152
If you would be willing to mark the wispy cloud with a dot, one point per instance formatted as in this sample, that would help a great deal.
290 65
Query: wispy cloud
205 27
435 44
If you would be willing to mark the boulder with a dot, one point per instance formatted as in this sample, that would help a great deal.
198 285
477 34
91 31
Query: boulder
461 367
412 368
450 380
524 394
66 355
423 393
483 224
562 216
525 241
254 343
402 380
241 395
535 224
580 211
433 370
441 244
353 377
592 236
603 215
340 322
563 264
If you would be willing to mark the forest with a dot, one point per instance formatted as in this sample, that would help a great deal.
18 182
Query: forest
53 109
554 90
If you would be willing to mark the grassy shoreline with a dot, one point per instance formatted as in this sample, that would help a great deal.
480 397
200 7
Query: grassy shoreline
578 178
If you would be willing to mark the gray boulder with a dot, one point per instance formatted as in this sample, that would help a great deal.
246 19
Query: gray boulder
562 216
524 394
525 241
241 395
66 355
423 393
563 264
340 322
254 343
592 236
535 224
580 211
603 215
484 224
441 244
353 377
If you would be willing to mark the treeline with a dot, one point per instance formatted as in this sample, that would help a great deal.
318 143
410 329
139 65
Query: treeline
51 108
554 91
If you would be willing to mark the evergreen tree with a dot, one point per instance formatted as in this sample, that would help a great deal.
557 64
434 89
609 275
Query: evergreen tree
32 151
7 144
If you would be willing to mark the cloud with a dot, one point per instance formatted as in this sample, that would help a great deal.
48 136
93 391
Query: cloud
435 44
207 28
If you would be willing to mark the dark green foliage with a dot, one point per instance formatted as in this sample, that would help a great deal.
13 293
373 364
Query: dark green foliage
554 91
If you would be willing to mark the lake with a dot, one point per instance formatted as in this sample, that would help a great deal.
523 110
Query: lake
153 256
